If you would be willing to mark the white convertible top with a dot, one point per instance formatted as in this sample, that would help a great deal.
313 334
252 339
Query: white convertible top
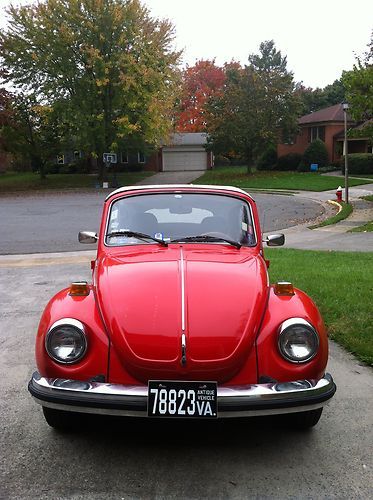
146 187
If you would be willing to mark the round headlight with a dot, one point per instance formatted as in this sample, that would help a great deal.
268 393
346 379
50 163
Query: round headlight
298 340
65 341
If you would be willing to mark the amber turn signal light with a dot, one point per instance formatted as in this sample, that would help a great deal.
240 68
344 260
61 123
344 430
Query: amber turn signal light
79 289
284 288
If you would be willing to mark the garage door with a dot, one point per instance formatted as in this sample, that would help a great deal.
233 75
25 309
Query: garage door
184 160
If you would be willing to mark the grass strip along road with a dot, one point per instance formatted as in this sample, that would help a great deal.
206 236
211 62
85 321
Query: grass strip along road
232 176
309 181
366 228
343 214
340 283
26 181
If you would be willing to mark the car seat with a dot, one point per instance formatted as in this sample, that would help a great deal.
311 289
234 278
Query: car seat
145 223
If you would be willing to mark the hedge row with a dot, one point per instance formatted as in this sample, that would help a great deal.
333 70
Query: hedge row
84 168
359 163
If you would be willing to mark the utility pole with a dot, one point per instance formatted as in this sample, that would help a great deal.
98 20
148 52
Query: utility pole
345 108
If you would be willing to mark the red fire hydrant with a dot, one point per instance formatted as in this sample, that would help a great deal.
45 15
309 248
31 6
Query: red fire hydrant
339 194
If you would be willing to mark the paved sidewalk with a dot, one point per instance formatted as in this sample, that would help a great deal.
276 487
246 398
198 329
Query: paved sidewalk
335 237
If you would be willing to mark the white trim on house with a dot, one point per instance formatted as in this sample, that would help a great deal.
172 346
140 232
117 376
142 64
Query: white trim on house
61 159
140 157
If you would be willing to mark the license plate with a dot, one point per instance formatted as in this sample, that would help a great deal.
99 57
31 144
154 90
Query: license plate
168 398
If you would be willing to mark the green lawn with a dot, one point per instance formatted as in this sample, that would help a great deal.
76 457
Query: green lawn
366 228
237 176
26 181
341 285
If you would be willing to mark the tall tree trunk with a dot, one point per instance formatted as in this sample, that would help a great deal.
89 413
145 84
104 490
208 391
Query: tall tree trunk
101 168
249 160
37 165
42 173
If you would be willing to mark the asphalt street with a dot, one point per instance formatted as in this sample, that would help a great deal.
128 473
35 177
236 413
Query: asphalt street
128 459
50 222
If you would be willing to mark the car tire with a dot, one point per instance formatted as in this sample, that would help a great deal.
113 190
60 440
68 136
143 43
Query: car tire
304 420
61 420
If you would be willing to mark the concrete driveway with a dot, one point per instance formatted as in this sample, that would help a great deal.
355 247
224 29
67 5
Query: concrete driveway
126 459
123 459
179 177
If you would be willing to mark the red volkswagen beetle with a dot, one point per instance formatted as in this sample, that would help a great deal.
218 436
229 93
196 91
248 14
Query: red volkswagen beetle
180 320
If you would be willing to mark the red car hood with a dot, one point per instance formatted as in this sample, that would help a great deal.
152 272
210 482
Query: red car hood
214 295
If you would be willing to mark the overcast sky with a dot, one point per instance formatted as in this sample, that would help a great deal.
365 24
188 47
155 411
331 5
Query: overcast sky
319 37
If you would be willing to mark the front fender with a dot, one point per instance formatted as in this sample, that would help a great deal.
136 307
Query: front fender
270 361
84 309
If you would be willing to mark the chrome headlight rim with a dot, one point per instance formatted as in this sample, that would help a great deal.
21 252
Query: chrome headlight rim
77 325
292 322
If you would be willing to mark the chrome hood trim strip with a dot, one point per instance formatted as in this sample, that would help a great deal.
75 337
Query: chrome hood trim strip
182 275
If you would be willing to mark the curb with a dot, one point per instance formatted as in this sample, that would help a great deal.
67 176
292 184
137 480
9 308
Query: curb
44 259
336 204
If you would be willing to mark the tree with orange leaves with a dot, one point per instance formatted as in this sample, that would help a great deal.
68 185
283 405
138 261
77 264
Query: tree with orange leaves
200 82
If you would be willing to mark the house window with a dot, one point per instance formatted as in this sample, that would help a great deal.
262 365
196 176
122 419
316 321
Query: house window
316 133
140 157
60 159
124 157
77 155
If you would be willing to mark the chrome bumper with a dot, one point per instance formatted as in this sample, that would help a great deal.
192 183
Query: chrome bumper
234 401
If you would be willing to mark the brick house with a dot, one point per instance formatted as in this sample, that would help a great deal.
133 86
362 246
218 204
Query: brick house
182 151
326 124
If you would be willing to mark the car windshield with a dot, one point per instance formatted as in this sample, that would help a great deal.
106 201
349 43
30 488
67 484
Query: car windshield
175 216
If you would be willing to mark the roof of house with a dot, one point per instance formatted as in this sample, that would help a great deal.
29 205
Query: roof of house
187 139
364 125
331 114
359 128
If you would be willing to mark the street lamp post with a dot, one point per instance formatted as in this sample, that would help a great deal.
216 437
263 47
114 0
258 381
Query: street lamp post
345 108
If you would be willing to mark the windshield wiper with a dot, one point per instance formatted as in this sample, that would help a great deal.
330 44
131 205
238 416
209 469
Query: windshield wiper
135 234
207 237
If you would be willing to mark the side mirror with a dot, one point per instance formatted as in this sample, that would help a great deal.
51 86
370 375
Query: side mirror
87 237
275 240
